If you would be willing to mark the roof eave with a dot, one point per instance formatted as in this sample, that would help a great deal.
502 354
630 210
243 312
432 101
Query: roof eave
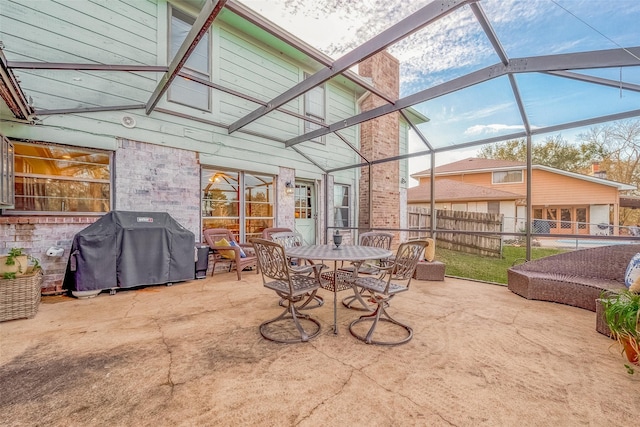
12 93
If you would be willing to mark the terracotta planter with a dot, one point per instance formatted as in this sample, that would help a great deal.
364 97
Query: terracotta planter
20 266
632 355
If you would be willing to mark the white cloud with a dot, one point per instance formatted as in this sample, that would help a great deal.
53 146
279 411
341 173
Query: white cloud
488 129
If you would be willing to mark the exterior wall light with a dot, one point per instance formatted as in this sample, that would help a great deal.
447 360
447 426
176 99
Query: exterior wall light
289 189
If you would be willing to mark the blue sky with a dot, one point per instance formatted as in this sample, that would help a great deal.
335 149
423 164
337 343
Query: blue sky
456 45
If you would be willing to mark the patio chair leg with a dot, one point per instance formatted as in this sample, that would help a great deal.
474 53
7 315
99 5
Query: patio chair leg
357 296
312 297
291 312
379 315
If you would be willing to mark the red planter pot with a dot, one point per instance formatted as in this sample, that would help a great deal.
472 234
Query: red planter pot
632 354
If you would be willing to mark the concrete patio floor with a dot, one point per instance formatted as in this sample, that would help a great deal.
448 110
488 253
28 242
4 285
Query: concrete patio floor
191 354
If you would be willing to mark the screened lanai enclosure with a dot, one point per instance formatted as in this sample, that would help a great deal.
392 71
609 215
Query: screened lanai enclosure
472 74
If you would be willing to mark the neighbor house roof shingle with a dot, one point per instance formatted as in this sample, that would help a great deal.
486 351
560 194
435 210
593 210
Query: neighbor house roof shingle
448 190
480 165
471 163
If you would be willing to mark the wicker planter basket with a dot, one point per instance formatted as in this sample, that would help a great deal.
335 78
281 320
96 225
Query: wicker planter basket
20 297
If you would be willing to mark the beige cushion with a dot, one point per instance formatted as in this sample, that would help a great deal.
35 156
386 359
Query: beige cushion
225 254
430 250
635 286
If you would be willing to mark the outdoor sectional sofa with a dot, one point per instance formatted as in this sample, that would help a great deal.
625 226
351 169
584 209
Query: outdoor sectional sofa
575 278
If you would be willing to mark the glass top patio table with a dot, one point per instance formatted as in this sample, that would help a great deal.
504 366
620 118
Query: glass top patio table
354 253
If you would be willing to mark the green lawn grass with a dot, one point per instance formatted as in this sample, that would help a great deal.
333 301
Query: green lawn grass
488 269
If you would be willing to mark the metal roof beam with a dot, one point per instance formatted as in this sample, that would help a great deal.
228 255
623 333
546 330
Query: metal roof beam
548 129
595 59
85 67
207 15
406 102
303 47
516 94
414 22
611 58
587 122
595 80
266 25
309 159
88 109
416 130
11 92
249 98
339 135
488 30
247 132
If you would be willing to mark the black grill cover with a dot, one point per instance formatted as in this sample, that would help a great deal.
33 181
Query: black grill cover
127 249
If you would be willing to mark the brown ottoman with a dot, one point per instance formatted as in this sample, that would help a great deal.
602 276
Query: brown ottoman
433 270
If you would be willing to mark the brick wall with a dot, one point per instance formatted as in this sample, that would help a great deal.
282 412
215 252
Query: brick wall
147 177
156 178
36 234
379 139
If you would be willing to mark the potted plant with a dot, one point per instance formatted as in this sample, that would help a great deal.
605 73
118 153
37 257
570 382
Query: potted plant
13 264
20 285
621 313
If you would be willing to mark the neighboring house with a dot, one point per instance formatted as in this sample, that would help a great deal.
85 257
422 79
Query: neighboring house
90 139
562 202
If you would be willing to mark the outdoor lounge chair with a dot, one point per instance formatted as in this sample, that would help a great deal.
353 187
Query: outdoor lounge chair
378 240
225 249
398 278
268 232
292 286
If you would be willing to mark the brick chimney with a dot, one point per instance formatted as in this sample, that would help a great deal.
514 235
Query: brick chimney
379 138
595 171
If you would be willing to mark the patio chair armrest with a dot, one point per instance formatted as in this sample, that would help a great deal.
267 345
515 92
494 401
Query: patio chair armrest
247 248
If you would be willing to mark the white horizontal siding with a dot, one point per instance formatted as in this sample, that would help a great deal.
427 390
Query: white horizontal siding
129 32
246 67
73 89
93 37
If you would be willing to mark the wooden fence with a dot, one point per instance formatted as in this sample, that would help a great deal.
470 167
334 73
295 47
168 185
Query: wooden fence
462 225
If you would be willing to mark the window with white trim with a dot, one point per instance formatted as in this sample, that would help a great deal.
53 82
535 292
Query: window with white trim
6 173
182 90
493 207
506 177
341 202
314 108
242 202
56 179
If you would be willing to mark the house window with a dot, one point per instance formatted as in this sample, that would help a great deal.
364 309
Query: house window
6 173
581 218
314 108
506 177
182 90
493 207
240 201
303 201
57 179
552 217
565 219
341 201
